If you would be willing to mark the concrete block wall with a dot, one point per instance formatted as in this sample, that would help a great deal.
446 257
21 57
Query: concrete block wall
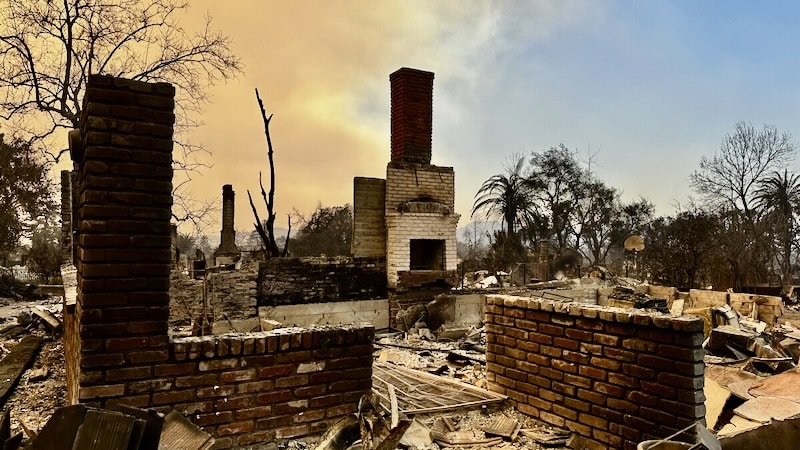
369 227
292 281
231 295
613 377
404 227
406 182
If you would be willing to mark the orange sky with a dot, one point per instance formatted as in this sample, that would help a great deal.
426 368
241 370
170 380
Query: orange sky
642 90
322 68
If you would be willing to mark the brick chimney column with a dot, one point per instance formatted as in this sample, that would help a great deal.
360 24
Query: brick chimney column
124 184
66 217
227 239
412 115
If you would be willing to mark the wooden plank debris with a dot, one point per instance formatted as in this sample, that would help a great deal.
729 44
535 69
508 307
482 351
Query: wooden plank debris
547 438
51 321
105 430
15 363
420 392
180 434
61 428
504 427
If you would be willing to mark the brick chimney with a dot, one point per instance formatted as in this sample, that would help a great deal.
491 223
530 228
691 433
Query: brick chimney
412 115
228 234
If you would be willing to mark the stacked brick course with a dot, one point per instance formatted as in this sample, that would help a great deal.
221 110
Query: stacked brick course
244 389
124 184
293 281
268 386
412 115
231 295
614 377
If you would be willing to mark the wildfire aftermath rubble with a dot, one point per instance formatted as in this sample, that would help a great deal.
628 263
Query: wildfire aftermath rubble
750 378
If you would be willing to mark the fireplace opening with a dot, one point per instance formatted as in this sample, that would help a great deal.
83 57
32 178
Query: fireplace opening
427 254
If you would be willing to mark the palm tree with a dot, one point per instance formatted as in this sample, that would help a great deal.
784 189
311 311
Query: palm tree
778 196
507 196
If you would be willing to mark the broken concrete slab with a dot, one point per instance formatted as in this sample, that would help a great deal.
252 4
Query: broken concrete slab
716 397
778 434
764 409
783 385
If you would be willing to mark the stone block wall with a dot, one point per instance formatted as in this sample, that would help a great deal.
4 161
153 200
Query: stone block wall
613 377
406 182
369 226
292 281
231 295
404 227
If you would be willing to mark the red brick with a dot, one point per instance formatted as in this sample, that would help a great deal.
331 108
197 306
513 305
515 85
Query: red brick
605 363
552 330
569 344
208 379
170 397
593 372
310 391
609 389
252 413
577 405
234 402
204 420
588 324
239 375
565 413
129 373
254 386
147 356
245 426
592 396
276 371
552 419
550 396
175 369
609 438
268 398
216 391
578 381
623 380
592 421
619 354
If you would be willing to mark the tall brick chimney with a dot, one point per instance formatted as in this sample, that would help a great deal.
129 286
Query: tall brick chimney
412 115
227 241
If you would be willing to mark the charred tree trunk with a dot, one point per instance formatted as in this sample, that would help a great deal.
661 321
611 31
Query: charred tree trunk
266 229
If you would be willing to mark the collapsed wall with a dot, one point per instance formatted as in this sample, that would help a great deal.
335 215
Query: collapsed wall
613 377
243 389
293 281
231 295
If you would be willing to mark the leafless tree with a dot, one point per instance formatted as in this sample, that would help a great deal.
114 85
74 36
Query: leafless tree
731 177
49 48
266 229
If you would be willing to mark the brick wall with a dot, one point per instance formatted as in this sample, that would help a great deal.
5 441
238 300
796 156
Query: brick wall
369 227
264 387
231 295
412 115
291 281
614 377
123 188
244 388
66 217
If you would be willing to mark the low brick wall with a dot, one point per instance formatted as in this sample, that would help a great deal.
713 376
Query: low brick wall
231 295
247 388
293 281
614 377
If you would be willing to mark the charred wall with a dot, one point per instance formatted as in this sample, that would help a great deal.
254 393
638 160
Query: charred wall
244 389
292 281
614 377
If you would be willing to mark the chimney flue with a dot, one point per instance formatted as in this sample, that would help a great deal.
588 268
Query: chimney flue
412 115
227 244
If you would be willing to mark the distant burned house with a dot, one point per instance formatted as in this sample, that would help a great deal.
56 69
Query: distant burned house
408 217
